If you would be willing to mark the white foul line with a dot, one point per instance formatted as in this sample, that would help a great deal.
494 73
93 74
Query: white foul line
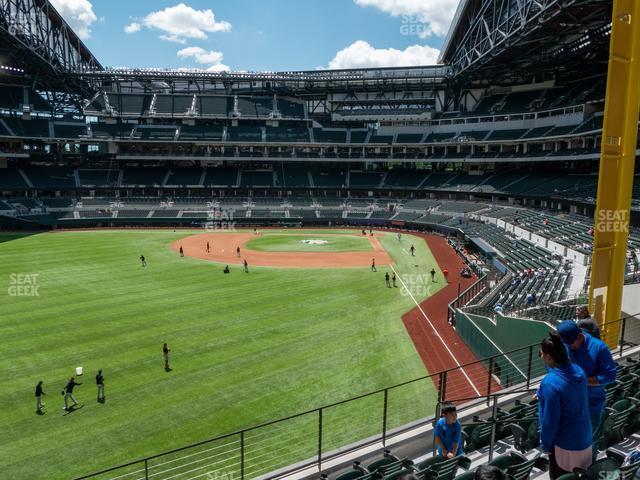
435 330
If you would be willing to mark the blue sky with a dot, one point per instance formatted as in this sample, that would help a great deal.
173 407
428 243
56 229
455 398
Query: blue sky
260 34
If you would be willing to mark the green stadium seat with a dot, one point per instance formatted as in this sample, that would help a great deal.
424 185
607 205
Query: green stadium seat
440 468
615 424
606 468
517 466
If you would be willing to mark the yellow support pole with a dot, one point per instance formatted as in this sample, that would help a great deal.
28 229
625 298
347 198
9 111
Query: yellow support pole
615 183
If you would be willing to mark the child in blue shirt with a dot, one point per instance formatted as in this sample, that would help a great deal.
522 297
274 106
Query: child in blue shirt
448 433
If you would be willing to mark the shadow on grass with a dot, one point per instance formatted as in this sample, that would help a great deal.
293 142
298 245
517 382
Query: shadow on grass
11 236
72 409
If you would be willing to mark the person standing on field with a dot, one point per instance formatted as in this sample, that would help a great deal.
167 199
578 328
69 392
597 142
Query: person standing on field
39 393
413 250
386 279
100 385
165 355
67 391
143 261
246 266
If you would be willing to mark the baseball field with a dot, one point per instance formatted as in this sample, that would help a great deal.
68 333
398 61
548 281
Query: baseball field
310 324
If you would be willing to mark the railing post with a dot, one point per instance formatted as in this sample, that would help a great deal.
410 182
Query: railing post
442 387
320 440
146 469
242 455
384 417
529 366
624 324
491 365
494 413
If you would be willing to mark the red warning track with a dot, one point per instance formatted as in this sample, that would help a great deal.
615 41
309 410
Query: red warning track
423 322
438 344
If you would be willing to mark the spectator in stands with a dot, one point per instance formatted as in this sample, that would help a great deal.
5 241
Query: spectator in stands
586 322
39 393
498 308
445 273
448 433
595 359
531 298
489 472
565 431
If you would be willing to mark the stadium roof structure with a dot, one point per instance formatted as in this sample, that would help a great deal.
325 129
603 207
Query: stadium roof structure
528 36
35 38
298 82
490 41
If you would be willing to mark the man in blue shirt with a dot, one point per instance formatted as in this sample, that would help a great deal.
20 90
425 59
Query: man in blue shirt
448 433
594 357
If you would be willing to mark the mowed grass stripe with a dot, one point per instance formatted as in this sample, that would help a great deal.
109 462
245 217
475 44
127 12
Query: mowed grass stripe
257 347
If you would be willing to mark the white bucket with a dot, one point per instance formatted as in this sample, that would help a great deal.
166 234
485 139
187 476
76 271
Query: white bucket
78 371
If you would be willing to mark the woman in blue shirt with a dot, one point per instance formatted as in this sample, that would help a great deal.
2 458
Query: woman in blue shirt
565 426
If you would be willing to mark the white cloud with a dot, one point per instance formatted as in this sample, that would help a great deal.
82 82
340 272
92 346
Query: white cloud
182 21
174 39
434 15
78 14
205 57
361 54
132 27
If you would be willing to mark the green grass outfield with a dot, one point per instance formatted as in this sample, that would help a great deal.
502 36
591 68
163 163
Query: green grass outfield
293 242
246 349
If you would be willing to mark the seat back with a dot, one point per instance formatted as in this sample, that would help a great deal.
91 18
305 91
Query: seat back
521 471
355 475
480 436
386 460
444 470
628 472
605 468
